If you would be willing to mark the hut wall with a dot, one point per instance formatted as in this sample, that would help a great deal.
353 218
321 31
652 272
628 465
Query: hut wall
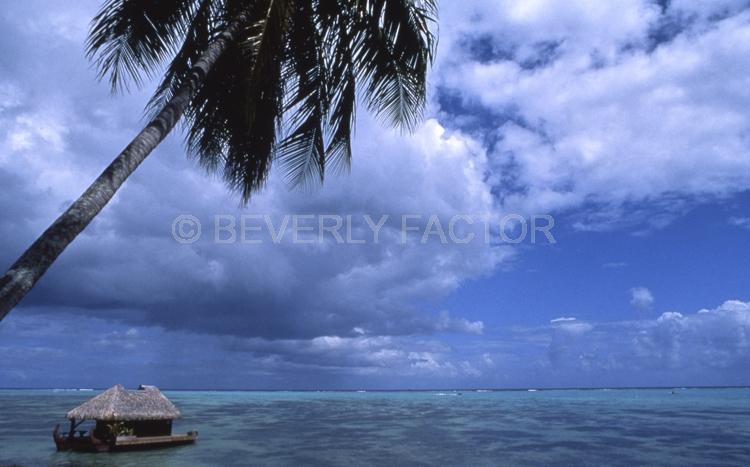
151 427
139 427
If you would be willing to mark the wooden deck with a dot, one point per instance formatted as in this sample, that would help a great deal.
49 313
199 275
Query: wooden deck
122 443
135 442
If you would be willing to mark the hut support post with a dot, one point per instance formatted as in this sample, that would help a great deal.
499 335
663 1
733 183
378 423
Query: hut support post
73 426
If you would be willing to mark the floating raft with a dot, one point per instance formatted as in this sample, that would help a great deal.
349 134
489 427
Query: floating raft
125 420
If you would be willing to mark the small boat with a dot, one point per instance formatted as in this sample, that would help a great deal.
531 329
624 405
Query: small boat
125 420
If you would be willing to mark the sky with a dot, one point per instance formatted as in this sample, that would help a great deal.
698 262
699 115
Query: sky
618 128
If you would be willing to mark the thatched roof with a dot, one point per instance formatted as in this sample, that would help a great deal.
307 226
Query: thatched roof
117 403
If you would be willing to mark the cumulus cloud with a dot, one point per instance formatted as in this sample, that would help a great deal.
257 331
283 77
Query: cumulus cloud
718 338
287 290
56 135
710 340
565 332
641 298
606 110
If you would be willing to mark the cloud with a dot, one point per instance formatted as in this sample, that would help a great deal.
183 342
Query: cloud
743 222
130 268
570 327
711 346
641 298
446 323
616 113
675 348
718 338
34 346
565 332
56 136
612 127
563 319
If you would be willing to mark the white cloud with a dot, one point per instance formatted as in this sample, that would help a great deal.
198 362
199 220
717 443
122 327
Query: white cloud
743 222
609 123
686 346
446 323
600 25
575 328
487 360
563 319
641 298
732 306
719 337
670 316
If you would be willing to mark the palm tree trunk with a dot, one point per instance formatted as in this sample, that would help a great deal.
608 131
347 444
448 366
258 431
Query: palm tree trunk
27 270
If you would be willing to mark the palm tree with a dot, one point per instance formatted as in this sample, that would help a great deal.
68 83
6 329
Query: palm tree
258 81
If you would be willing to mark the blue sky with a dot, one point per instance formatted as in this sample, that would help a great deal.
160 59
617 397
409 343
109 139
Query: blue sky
625 121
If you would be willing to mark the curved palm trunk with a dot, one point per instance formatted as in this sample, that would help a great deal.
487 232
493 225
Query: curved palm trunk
27 270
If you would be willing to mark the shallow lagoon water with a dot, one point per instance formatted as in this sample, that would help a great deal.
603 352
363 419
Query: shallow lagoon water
563 427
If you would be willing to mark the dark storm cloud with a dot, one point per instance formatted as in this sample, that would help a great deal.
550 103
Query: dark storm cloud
60 128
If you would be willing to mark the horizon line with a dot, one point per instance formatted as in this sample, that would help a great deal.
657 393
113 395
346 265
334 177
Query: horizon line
452 389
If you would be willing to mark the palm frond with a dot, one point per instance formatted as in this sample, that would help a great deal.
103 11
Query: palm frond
301 153
393 48
234 115
344 84
197 37
129 39
285 90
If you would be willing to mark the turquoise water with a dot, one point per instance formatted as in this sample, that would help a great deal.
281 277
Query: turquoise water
570 427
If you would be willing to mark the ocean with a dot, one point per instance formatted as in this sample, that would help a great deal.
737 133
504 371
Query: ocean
470 428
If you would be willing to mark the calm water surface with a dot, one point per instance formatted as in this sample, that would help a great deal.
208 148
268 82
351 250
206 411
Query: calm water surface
572 427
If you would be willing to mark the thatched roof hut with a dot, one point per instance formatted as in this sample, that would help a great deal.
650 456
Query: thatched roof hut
119 404
124 420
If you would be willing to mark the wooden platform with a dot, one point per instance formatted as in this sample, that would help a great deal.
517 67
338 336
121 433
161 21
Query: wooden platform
91 443
123 443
